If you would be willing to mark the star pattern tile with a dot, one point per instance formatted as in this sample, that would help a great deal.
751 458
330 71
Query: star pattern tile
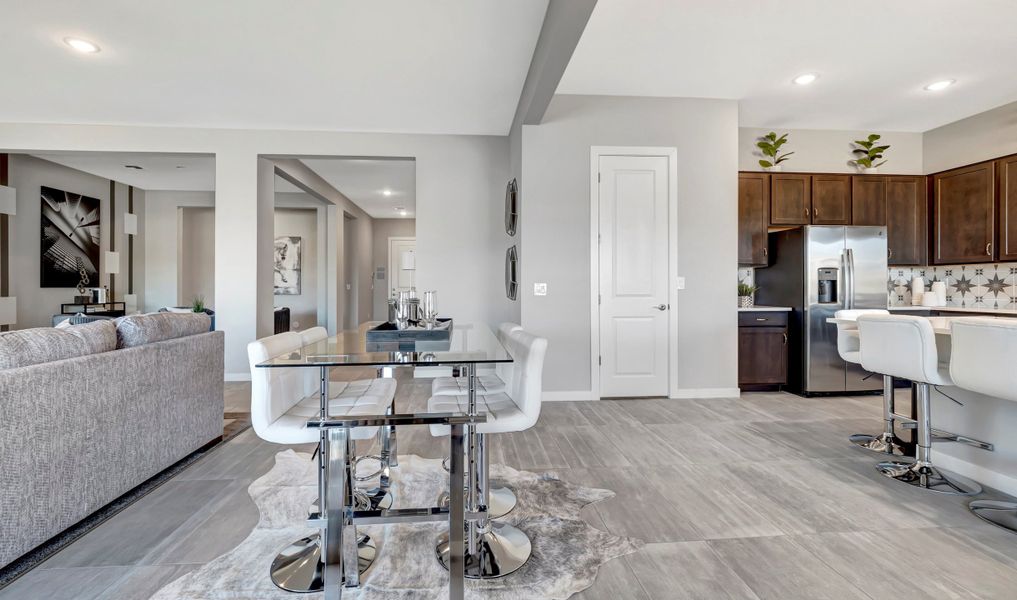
963 285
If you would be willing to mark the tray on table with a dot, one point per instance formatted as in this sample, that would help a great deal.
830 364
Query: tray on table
387 338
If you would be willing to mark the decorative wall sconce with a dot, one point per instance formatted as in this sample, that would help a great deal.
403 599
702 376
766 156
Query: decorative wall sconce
511 273
511 207
8 200
130 224
112 263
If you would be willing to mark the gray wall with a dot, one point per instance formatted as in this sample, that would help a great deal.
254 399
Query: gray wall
37 305
302 223
556 228
980 137
829 150
196 262
384 229
161 282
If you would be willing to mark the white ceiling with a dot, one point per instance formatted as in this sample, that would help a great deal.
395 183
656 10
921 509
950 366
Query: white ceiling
440 66
873 56
159 171
363 180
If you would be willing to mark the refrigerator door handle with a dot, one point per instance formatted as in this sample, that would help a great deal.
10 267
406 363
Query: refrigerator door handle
849 278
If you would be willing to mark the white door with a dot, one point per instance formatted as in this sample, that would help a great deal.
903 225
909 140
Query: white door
402 264
633 201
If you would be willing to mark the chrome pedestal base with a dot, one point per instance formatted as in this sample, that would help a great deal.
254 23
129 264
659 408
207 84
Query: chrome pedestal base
924 475
501 550
1001 514
298 568
884 443
503 500
374 499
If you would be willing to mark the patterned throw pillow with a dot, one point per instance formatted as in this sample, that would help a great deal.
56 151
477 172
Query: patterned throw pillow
138 330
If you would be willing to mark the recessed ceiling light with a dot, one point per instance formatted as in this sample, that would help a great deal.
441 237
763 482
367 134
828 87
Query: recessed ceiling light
83 46
135 167
386 192
805 78
940 85
402 213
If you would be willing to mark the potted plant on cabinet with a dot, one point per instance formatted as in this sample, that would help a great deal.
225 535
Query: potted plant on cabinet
869 154
745 292
770 145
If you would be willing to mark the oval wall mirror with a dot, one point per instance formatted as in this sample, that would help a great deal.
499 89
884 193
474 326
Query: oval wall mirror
511 207
511 272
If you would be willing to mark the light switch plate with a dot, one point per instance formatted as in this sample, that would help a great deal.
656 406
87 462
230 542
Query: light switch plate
681 282
539 289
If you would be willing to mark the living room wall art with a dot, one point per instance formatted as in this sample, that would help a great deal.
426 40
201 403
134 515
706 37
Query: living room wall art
70 239
287 266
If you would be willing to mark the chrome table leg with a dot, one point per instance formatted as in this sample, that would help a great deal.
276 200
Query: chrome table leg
456 517
389 434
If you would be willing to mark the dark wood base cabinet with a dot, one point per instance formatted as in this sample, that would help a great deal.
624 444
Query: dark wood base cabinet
762 350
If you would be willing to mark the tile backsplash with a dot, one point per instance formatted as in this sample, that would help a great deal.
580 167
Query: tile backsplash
971 286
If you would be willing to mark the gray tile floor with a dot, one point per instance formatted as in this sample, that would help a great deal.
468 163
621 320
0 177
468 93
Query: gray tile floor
753 498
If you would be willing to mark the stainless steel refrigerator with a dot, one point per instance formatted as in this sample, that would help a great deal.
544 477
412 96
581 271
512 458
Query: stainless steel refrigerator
818 270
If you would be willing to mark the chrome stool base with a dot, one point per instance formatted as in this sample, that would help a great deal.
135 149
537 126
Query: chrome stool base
501 550
924 475
299 568
1001 514
374 498
884 443
503 500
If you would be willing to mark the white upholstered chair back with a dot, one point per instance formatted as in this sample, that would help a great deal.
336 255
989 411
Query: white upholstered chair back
312 377
273 391
847 333
901 346
528 353
505 371
982 356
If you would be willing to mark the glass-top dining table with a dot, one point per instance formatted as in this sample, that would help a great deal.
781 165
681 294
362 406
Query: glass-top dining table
468 347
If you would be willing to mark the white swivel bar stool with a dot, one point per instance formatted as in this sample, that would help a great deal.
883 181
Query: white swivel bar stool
502 498
496 549
905 347
982 361
280 410
848 346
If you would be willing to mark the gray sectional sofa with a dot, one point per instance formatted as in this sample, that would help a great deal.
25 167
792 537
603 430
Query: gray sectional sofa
91 411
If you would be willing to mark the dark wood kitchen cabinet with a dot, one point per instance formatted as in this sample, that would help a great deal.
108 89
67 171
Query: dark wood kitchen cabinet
963 215
831 200
762 349
1007 194
753 218
907 224
790 199
868 200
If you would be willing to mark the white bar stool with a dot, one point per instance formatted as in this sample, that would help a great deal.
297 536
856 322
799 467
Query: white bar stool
982 361
848 346
905 347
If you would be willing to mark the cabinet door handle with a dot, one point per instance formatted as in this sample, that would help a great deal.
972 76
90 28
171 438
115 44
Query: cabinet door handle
762 319
988 248
785 338
764 251
806 211
889 252
815 212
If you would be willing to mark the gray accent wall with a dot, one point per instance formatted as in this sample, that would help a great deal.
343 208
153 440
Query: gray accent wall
986 135
555 228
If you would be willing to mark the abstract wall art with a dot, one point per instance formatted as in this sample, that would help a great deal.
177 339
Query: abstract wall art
70 239
287 266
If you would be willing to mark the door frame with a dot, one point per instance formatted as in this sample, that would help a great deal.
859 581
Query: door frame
671 153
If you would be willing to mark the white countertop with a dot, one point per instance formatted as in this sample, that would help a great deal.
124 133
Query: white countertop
766 309
955 309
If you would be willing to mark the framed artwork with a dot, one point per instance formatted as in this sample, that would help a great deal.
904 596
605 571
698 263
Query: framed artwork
70 239
287 266
511 207
511 274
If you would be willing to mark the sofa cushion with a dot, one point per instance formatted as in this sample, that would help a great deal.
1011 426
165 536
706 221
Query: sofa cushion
27 347
138 330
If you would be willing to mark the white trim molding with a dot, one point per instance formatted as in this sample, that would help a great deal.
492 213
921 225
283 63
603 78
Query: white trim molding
569 396
994 479
706 393
671 153
237 377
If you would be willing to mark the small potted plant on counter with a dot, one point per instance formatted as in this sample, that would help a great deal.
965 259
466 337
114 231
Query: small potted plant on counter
770 145
745 292
869 154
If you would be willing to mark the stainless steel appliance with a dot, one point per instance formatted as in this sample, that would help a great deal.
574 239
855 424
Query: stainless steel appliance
818 270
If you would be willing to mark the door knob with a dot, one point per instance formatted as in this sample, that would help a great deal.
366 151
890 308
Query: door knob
661 307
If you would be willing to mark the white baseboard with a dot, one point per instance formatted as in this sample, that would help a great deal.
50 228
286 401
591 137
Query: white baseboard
569 396
707 393
994 479
237 377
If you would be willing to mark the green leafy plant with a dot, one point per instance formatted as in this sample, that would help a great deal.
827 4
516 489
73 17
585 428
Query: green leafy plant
198 304
869 152
770 145
745 289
